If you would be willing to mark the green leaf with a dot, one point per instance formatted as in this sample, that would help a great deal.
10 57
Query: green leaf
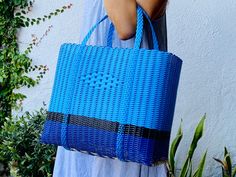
228 161
22 17
191 169
228 164
223 173
18 14
1 79
234 172
225 151
26 23
41 168
185 168
219 161
197 136
173 149
17 2
199 171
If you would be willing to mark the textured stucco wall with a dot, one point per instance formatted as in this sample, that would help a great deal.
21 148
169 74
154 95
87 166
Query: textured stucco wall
202 33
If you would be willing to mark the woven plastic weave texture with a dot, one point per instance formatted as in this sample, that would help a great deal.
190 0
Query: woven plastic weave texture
114 102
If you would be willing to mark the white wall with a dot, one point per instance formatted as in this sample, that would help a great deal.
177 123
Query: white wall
202 33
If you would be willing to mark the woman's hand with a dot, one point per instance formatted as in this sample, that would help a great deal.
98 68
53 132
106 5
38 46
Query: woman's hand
123 13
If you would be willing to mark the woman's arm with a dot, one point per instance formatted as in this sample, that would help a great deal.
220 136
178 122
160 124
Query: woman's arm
154 8
123 13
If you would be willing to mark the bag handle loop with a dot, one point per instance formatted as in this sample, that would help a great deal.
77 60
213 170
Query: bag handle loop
139 30
154 37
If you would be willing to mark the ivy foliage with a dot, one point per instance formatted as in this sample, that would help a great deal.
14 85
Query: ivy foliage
15 66
28 157
15 69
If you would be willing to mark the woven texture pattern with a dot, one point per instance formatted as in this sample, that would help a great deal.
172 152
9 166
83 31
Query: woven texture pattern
114 102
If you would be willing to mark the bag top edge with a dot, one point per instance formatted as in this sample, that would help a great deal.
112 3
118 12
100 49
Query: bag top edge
141 49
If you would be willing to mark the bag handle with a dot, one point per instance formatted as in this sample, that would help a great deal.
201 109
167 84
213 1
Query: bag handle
88 35
110 35
139 30
154 37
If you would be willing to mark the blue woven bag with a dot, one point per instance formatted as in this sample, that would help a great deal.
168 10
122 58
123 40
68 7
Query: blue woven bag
114 102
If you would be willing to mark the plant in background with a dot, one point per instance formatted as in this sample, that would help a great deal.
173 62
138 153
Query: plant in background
186 170
14 65
226 165
27 156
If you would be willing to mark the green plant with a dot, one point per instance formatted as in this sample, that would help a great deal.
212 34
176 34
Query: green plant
226 165
27 156
186 170
15 66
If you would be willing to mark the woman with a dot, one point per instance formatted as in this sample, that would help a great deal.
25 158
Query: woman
123 15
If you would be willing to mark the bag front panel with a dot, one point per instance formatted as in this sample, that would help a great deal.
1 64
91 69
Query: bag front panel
64 79
120 102
154 90
91 81
99 83
143 147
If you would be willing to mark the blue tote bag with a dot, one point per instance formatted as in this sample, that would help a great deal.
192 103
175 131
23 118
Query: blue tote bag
114 102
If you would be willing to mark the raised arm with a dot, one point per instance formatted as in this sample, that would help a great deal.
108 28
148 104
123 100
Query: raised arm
123 13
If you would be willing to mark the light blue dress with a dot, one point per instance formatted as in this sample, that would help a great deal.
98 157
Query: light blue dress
77 164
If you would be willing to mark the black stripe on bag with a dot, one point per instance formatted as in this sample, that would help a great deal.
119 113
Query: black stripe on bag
109 126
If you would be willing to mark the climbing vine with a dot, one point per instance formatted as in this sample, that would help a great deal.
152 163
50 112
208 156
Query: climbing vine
15 66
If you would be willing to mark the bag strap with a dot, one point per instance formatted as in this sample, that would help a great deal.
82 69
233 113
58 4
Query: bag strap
139 29
154 37
85 40
110 35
